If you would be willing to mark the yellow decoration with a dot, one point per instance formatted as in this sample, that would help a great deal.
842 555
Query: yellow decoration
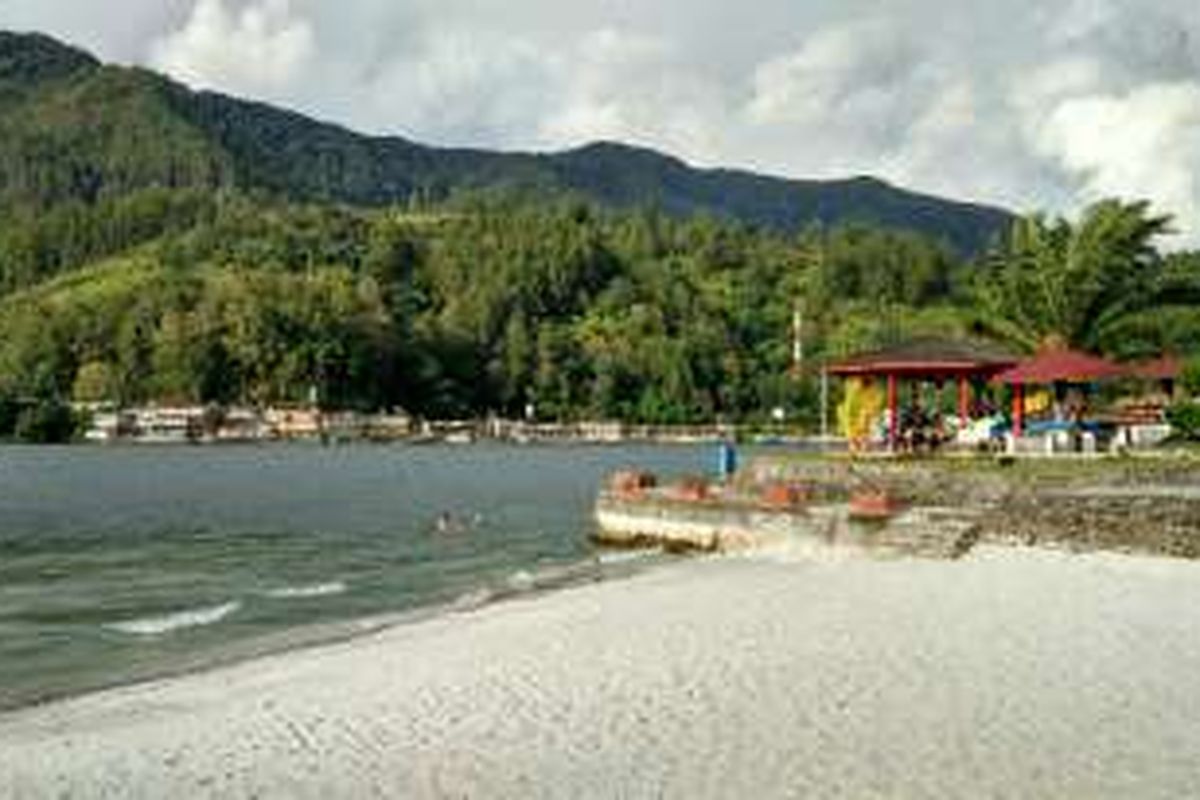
1037 402
863 402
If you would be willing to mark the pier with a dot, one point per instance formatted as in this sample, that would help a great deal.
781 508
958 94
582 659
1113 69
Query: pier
927 509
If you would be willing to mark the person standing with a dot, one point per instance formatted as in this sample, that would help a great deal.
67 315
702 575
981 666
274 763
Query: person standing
726 459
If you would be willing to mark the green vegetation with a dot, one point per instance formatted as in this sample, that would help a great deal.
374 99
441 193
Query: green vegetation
1189 380
1100 284
1184 416
1185 419
634 316
487 308
71 129
157 245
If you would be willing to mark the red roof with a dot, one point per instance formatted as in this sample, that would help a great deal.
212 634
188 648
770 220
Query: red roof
926 358
1051 366
1164 368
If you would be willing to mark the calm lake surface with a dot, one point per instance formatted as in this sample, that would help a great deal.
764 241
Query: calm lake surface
122 563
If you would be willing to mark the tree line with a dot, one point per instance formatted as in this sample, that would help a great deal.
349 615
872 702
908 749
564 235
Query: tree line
487 306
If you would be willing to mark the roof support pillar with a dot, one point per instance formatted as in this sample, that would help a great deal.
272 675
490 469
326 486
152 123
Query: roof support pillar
1018 411
964 401
893 400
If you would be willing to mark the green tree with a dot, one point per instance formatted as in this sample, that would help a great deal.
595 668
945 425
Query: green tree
1055 279
94 383
46 422
1189 379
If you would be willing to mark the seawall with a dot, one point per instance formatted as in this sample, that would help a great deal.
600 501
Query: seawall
935 508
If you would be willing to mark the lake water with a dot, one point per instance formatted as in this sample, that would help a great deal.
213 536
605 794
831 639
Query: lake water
118 564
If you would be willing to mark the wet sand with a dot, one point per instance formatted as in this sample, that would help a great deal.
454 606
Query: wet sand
1011 673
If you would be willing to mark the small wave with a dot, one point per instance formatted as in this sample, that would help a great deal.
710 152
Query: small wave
473 600
551 576
306 592
191 618
615 557
521 581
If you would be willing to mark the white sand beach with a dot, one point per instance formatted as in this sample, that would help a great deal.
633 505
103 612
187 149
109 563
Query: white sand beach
1008 674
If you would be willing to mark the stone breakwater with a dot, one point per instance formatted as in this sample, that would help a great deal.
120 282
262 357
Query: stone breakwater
1149 506
938 509
1133 522
720 526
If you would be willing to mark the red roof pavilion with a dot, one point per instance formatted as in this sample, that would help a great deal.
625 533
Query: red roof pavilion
1054 366
925 359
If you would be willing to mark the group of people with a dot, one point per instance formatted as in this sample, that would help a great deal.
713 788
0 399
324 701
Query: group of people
919 431
923 430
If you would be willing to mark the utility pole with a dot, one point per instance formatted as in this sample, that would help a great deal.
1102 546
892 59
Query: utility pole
797 339
824 357
824 403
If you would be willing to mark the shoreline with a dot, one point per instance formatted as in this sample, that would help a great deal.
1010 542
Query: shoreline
620 565
1017 671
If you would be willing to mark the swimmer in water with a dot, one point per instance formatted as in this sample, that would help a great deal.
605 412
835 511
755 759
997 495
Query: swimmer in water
447 523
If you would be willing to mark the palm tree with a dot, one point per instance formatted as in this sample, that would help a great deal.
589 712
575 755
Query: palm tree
1054 280
1169 321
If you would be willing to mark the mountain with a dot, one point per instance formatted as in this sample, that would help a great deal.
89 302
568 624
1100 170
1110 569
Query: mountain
72 128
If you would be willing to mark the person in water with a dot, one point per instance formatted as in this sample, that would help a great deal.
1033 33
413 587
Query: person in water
448 523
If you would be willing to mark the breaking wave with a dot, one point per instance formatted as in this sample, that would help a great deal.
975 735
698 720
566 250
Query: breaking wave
305 592
613 557
191 618
473 600
521 581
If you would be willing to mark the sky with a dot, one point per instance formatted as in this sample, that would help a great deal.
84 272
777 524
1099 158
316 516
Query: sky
1030 105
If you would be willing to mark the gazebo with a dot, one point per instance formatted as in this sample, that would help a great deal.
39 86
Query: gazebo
926 360
1052 366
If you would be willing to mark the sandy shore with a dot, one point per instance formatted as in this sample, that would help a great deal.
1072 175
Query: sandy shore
1008 674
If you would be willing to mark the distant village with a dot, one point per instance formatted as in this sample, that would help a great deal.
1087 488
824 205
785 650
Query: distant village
214 425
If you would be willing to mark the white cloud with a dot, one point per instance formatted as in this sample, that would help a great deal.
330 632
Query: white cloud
635 88
260 48
122 35
471 87
1144 143
858 70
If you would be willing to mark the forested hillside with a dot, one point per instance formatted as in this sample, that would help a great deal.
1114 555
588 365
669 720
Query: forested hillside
143 258
72 129
447 313
579 312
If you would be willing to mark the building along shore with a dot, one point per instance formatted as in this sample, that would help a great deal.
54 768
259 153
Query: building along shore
200 425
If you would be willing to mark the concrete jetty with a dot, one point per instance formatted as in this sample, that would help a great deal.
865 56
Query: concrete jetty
929 509
731 523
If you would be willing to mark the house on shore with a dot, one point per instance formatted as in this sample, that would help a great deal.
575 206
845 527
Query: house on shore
292 424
